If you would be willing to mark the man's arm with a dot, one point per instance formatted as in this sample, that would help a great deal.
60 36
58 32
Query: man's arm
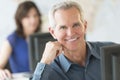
38 71
43 69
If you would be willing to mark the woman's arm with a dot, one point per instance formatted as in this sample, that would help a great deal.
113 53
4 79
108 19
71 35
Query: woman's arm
5 53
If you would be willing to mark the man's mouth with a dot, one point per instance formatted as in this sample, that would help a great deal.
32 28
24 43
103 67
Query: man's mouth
72 39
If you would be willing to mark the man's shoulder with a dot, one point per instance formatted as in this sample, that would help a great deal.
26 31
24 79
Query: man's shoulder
96 46
100 44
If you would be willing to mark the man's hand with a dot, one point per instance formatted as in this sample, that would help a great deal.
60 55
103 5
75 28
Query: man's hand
52 50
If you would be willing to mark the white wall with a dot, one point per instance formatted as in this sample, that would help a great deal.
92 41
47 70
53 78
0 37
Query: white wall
107 22
7 24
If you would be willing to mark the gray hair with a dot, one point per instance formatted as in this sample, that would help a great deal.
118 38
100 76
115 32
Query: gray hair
63 5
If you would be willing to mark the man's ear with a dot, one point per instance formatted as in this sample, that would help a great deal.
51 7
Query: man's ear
85 25
51 30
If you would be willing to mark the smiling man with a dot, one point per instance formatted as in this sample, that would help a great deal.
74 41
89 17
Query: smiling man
70 57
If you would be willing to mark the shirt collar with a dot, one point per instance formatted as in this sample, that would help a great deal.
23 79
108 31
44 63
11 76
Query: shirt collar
92 51
65 63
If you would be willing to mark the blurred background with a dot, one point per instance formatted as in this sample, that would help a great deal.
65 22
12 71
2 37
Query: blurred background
103 17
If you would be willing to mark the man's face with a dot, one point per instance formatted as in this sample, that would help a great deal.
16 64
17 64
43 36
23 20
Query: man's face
69 30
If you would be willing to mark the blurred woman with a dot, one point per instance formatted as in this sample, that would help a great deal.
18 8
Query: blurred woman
15 47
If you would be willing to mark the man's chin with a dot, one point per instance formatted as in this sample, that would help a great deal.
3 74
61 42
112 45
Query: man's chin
71 48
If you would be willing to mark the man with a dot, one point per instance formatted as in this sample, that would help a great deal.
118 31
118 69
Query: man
70 57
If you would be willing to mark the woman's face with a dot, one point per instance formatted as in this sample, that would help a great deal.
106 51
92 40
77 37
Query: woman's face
30 21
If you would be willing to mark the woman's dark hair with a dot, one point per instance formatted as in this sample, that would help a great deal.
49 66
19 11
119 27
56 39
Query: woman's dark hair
22 12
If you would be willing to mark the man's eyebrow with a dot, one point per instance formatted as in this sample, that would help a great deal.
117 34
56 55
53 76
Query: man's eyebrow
76 23
62 26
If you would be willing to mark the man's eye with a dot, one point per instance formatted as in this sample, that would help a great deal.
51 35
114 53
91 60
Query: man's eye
62 27
76 25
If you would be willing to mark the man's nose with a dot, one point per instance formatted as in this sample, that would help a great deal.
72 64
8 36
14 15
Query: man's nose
70 32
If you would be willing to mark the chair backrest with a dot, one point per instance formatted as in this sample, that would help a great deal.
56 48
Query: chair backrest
37 44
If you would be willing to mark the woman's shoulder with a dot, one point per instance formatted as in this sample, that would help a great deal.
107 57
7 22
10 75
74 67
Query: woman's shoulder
12 38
